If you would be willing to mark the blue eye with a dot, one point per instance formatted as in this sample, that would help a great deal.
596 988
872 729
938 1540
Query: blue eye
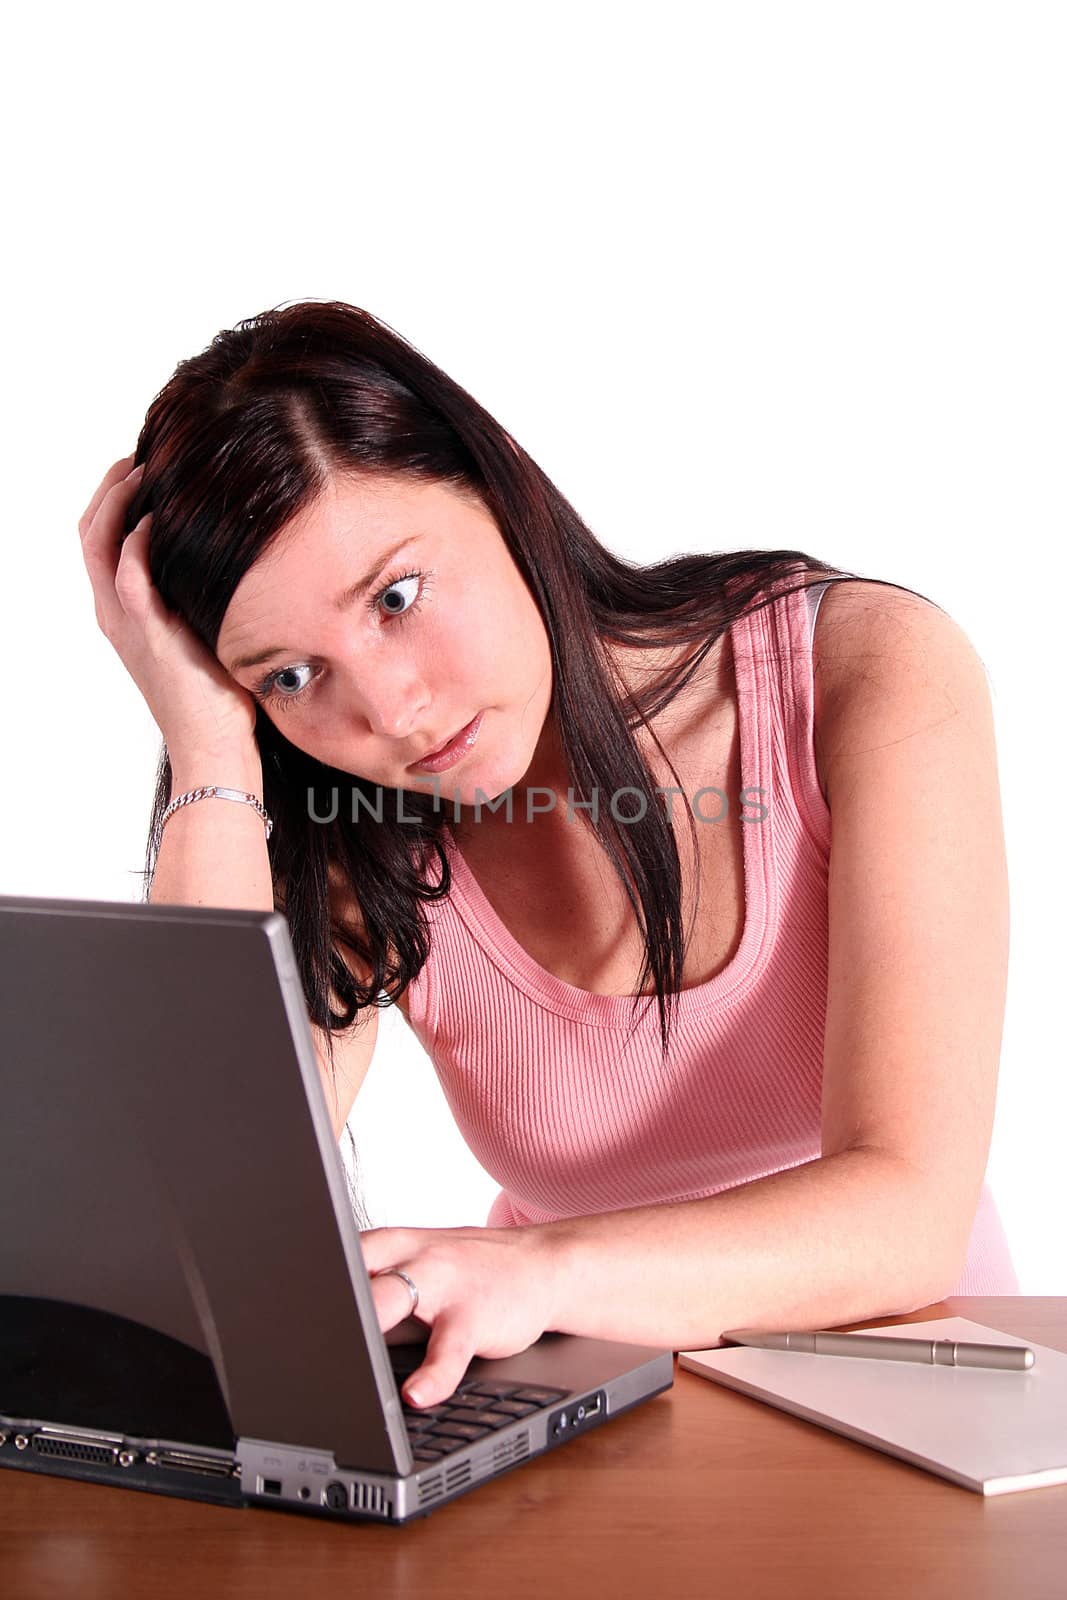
290 672
271 686
390 591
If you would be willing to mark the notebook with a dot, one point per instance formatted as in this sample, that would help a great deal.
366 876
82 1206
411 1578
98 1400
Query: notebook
993 1432
184 1306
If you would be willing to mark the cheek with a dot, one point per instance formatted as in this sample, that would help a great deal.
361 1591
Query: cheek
530 640
497 637
296 730
467 651
314 727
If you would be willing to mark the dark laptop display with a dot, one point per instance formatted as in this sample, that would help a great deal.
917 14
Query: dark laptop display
183 1302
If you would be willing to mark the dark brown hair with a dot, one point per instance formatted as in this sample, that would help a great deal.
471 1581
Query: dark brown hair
242 438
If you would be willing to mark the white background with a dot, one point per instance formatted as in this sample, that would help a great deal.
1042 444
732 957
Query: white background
776 275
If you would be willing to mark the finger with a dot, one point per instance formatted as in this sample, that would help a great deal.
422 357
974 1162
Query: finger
448 1355
107 521
392 1299
101 538
114 474
103 568
387 1247
136 593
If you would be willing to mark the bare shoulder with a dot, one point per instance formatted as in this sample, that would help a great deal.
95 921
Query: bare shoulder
888 664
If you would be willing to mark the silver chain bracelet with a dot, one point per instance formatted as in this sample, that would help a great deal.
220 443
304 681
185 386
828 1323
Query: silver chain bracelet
214 791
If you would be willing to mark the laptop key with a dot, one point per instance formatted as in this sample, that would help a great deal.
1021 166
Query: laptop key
487 1419
498 1391
515 1408
540 1396
434 1413
474 1402
458 1430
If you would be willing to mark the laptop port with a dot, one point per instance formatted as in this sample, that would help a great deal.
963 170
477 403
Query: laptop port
580 1415
70 1446
270 1486
190 1461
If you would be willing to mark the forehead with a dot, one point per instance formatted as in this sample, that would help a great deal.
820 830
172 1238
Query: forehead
350 515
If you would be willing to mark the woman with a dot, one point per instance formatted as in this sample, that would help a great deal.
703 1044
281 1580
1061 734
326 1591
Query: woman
726 1074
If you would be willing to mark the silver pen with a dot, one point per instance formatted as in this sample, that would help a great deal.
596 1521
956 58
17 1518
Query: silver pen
931 1352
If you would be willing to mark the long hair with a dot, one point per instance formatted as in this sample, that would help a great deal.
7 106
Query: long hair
244 437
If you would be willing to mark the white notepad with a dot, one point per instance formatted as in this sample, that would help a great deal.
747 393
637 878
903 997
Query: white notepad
990 1431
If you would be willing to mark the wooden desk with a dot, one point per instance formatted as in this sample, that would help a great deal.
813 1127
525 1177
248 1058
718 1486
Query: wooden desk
700 1492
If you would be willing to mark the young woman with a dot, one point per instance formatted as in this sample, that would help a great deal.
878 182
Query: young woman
702 914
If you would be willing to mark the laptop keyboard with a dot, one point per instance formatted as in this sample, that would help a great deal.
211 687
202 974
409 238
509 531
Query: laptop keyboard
477 1408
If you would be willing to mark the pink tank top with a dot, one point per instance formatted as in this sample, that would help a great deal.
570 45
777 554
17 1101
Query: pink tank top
568 1116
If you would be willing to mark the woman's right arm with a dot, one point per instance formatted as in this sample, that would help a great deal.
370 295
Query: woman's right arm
215 851
214 848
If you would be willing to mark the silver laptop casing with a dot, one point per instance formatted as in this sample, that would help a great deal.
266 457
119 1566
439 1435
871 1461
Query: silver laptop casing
169 1163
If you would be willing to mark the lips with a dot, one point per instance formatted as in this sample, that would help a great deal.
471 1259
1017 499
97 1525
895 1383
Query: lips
453 750
439 749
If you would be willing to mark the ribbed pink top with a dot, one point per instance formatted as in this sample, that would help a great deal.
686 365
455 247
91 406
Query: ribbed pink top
568 1117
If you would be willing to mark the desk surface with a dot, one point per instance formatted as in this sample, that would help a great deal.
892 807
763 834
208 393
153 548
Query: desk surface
701 1491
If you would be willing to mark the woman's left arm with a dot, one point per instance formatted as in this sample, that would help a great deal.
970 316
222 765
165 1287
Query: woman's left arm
918 947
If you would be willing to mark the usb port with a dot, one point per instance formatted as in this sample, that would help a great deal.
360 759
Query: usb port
270 1486
588 1408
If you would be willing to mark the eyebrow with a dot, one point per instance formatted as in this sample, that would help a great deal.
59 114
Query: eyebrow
341 603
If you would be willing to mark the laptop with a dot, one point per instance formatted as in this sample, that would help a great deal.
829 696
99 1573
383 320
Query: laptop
184 1307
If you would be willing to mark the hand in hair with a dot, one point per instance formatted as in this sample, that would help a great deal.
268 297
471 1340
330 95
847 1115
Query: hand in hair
196 704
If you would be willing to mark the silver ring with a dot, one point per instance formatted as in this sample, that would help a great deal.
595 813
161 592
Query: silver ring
395 1272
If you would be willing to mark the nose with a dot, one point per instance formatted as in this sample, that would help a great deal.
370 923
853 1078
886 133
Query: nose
394 707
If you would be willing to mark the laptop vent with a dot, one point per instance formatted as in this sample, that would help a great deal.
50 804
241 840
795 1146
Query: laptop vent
508 1451
371 1497
506 1454
430 1489
450 1482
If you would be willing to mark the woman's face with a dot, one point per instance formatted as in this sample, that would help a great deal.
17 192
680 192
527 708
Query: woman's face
443 628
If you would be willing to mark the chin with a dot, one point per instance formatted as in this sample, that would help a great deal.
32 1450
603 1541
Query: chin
482 783
465 791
